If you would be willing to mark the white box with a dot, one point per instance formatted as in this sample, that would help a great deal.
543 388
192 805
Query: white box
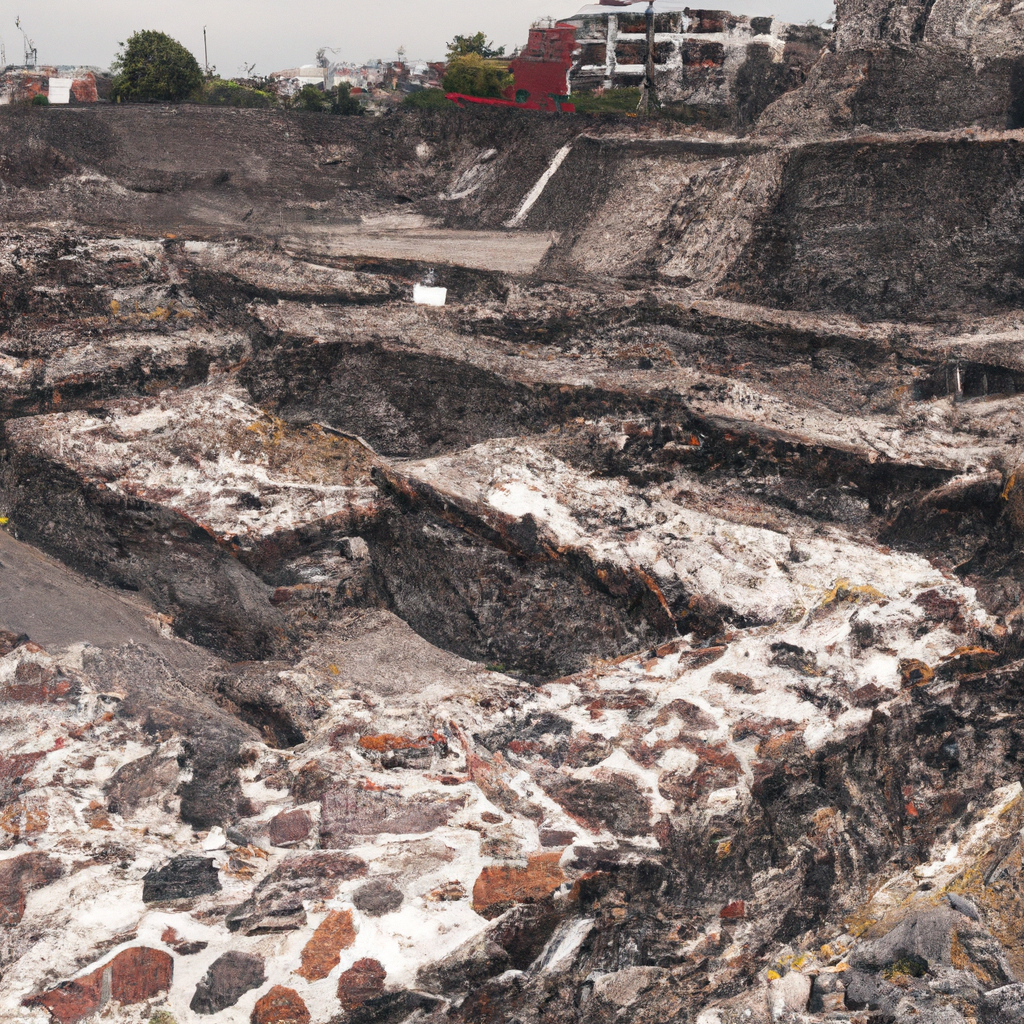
424 296
60 90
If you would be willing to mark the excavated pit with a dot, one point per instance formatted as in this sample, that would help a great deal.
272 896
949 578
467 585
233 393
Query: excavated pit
642 622
649 392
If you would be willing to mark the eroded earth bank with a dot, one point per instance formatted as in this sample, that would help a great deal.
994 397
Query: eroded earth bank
636 638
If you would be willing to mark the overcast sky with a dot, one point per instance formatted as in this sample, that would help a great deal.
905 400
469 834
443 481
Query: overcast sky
275 34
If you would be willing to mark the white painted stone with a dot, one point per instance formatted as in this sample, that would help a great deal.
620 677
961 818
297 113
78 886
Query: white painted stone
216 840
424 296
59 90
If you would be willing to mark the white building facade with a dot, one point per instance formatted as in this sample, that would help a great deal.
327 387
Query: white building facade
699 57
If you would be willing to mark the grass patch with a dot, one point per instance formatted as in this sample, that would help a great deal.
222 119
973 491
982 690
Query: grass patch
607 101
427 99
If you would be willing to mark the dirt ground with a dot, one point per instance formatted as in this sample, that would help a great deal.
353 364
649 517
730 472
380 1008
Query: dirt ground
57 607
503 252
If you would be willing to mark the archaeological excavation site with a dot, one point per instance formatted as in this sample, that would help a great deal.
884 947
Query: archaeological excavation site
636 637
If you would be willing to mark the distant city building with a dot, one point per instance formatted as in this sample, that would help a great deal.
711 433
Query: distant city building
376 82
708 59
292 80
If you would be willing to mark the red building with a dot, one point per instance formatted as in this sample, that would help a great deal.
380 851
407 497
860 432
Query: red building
541 72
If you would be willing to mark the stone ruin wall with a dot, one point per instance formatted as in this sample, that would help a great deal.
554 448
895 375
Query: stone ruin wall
719 64
21 85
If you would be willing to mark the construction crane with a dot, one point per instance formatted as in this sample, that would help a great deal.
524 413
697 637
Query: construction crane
31 53
323 62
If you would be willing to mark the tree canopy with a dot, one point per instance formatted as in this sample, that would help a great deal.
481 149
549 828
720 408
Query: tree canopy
344 103
472 75
153 66
462 46
338 101
311 99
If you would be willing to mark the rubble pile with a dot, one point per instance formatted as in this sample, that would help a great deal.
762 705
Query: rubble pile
636 637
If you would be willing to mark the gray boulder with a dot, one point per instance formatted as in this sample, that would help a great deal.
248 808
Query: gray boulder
226 981
1003 1006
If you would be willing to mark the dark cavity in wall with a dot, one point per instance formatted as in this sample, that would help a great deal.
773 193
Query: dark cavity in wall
922 22
1015 114
759 81
970 380
703 55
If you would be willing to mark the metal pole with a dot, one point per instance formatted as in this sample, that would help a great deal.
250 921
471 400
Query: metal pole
648 99
206 52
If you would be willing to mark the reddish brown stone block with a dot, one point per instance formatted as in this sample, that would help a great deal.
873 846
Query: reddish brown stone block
323 951
37 693
133 976
139 974
74 1000
84 89
36 684
280 1006
363 981
735 911
290 827
18 877
500 887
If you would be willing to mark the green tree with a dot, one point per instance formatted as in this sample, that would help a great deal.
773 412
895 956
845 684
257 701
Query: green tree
153 66
344 103
472 75
310 99
461 46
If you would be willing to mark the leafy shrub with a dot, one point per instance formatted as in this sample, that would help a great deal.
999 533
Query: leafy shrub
152 66
39 100
427 99
473 75
219 92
